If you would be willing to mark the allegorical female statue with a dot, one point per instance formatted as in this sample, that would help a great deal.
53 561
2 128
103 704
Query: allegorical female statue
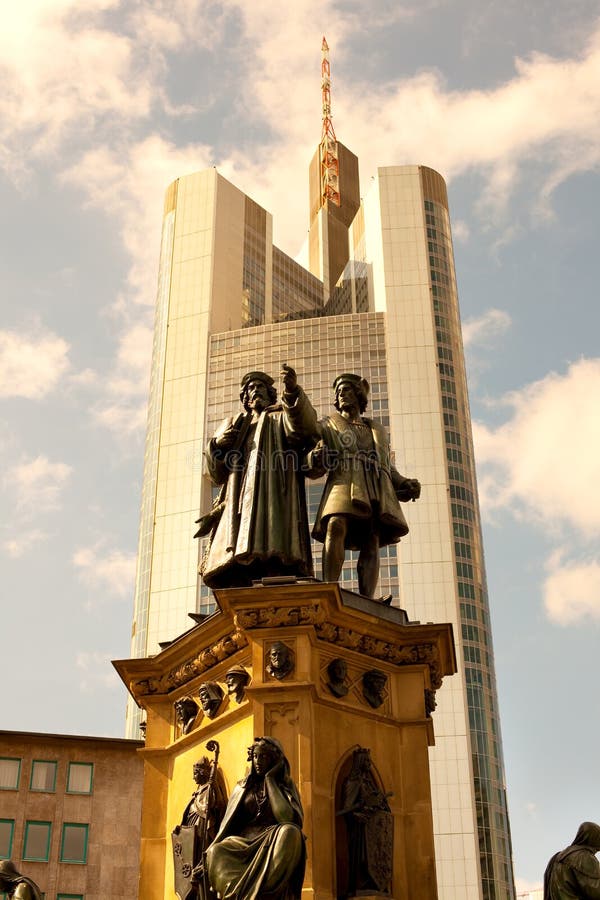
259 849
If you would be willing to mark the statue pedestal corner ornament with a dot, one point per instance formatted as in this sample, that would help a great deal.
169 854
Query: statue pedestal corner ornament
334 799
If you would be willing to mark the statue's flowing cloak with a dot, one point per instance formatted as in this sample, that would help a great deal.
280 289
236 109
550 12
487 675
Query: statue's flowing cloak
264 519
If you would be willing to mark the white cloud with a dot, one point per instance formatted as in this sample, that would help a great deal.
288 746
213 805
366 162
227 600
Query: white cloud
96 671
499 128
36 485
63 68
491 324
544 462
18 545
572 590
31 364
106 570
460 231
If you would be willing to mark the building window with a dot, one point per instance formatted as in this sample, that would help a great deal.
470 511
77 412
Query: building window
10 770
36 846
80 778
74 844
43 776
7 827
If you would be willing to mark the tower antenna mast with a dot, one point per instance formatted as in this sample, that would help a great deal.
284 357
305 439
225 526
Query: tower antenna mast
330 167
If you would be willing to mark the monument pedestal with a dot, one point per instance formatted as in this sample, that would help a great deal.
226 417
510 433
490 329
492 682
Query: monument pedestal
319 730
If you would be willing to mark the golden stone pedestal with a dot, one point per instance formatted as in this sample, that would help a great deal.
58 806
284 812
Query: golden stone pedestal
319 731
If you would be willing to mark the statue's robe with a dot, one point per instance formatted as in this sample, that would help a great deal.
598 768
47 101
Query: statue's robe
263 527
255 857
362 483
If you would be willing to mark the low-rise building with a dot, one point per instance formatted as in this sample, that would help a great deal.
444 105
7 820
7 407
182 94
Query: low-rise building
70 810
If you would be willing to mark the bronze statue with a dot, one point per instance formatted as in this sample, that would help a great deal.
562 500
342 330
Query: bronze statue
280 660
259 849
359 509
259 523
337 671
237 679
186 711
199 825
15 885
373 685
575 871
369 828
211 696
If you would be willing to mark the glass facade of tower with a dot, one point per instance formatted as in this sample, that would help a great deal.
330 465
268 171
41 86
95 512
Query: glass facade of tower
490 794
229 302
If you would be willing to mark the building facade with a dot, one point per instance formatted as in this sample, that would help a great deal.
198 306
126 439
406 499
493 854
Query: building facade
380 300
70 813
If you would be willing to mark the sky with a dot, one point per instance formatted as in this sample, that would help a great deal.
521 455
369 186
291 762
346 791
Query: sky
104 103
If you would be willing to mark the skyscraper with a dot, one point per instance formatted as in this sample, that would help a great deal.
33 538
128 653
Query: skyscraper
381 300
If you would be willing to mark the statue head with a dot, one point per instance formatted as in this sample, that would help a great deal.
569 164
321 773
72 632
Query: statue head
211 695
186 710
588 835
264 754
351 388
337 670
361 760
201 770
374 682
236 679
257 391
280 660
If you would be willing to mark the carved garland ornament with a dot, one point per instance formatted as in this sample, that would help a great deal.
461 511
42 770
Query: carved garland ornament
205 659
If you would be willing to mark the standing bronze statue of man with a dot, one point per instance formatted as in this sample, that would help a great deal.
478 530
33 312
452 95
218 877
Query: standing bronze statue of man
259 524
359 509
199 825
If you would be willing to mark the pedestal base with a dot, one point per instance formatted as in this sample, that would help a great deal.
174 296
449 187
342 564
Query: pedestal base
359 678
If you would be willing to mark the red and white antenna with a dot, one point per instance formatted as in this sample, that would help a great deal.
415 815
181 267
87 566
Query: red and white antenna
330 168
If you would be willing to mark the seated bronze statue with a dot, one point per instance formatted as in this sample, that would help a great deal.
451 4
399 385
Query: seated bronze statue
259 849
